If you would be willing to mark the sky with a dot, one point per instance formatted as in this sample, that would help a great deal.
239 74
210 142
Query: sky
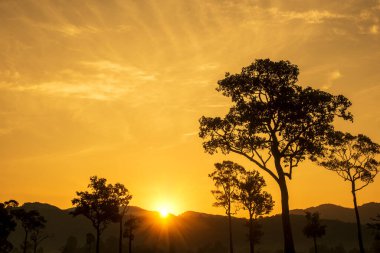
116 88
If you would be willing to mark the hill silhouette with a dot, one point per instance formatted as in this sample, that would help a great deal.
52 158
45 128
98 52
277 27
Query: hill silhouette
335 212
198 232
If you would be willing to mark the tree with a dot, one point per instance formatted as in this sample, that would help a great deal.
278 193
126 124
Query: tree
225 177
353 159
31 222
274 123
255 201
90 239
313 228
37 237
98 205
7 225
123 198
130 226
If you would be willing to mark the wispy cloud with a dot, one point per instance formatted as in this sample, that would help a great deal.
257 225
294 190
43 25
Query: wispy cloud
331 77
310 16
131 71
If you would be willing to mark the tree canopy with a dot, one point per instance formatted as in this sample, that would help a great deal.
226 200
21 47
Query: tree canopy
273 122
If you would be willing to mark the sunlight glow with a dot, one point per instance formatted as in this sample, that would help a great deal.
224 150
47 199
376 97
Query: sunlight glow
163 212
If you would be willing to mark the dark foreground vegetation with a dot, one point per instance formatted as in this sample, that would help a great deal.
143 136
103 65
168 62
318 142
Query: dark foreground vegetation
197 232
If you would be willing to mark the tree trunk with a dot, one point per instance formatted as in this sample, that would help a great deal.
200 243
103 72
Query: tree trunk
97 240
315 244
121 234
35 247
251 242
286 226
230 232
25 241
130 244
358 224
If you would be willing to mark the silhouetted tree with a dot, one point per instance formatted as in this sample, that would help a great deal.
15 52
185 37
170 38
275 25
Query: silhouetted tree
123 197
71 245
353 158
7 225
313 228
98 205
257 202
90 239
273 122
225 177
31 221
130 226
37 237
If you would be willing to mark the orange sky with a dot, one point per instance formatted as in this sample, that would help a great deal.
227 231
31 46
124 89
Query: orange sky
116 88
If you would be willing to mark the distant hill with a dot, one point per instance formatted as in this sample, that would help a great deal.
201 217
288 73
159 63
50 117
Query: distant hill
196 232
334 212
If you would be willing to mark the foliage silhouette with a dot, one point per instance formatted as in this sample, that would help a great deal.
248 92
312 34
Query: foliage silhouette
313 228
353 159
130 226
7 225
99 205
31 222
274 123
257 202
123 197
225 177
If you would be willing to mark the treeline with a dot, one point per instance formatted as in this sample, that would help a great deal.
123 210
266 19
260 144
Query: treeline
102 204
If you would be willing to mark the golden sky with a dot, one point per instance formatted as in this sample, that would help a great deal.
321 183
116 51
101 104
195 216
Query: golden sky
116 88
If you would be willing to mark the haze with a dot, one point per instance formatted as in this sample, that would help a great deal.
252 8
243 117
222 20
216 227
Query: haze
116 88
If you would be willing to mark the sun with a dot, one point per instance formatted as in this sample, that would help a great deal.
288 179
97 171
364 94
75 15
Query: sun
163 212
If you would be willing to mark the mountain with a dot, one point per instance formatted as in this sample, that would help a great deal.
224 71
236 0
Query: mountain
194 232
334 212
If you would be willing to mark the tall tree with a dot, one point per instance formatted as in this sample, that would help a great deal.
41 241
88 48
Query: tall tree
98 205
7 225
31 221
123 197
130 226
353 159
225 177
313 228
274 123
256 201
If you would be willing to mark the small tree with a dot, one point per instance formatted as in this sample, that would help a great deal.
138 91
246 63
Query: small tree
31 221
130 226
123 197
274 123
37 237
255 201
90 239
225 177
98 205
7 225
353 159
313 228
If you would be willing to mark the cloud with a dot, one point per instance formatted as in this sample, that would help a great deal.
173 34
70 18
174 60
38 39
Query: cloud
310 16
331 77
374 29
131 71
